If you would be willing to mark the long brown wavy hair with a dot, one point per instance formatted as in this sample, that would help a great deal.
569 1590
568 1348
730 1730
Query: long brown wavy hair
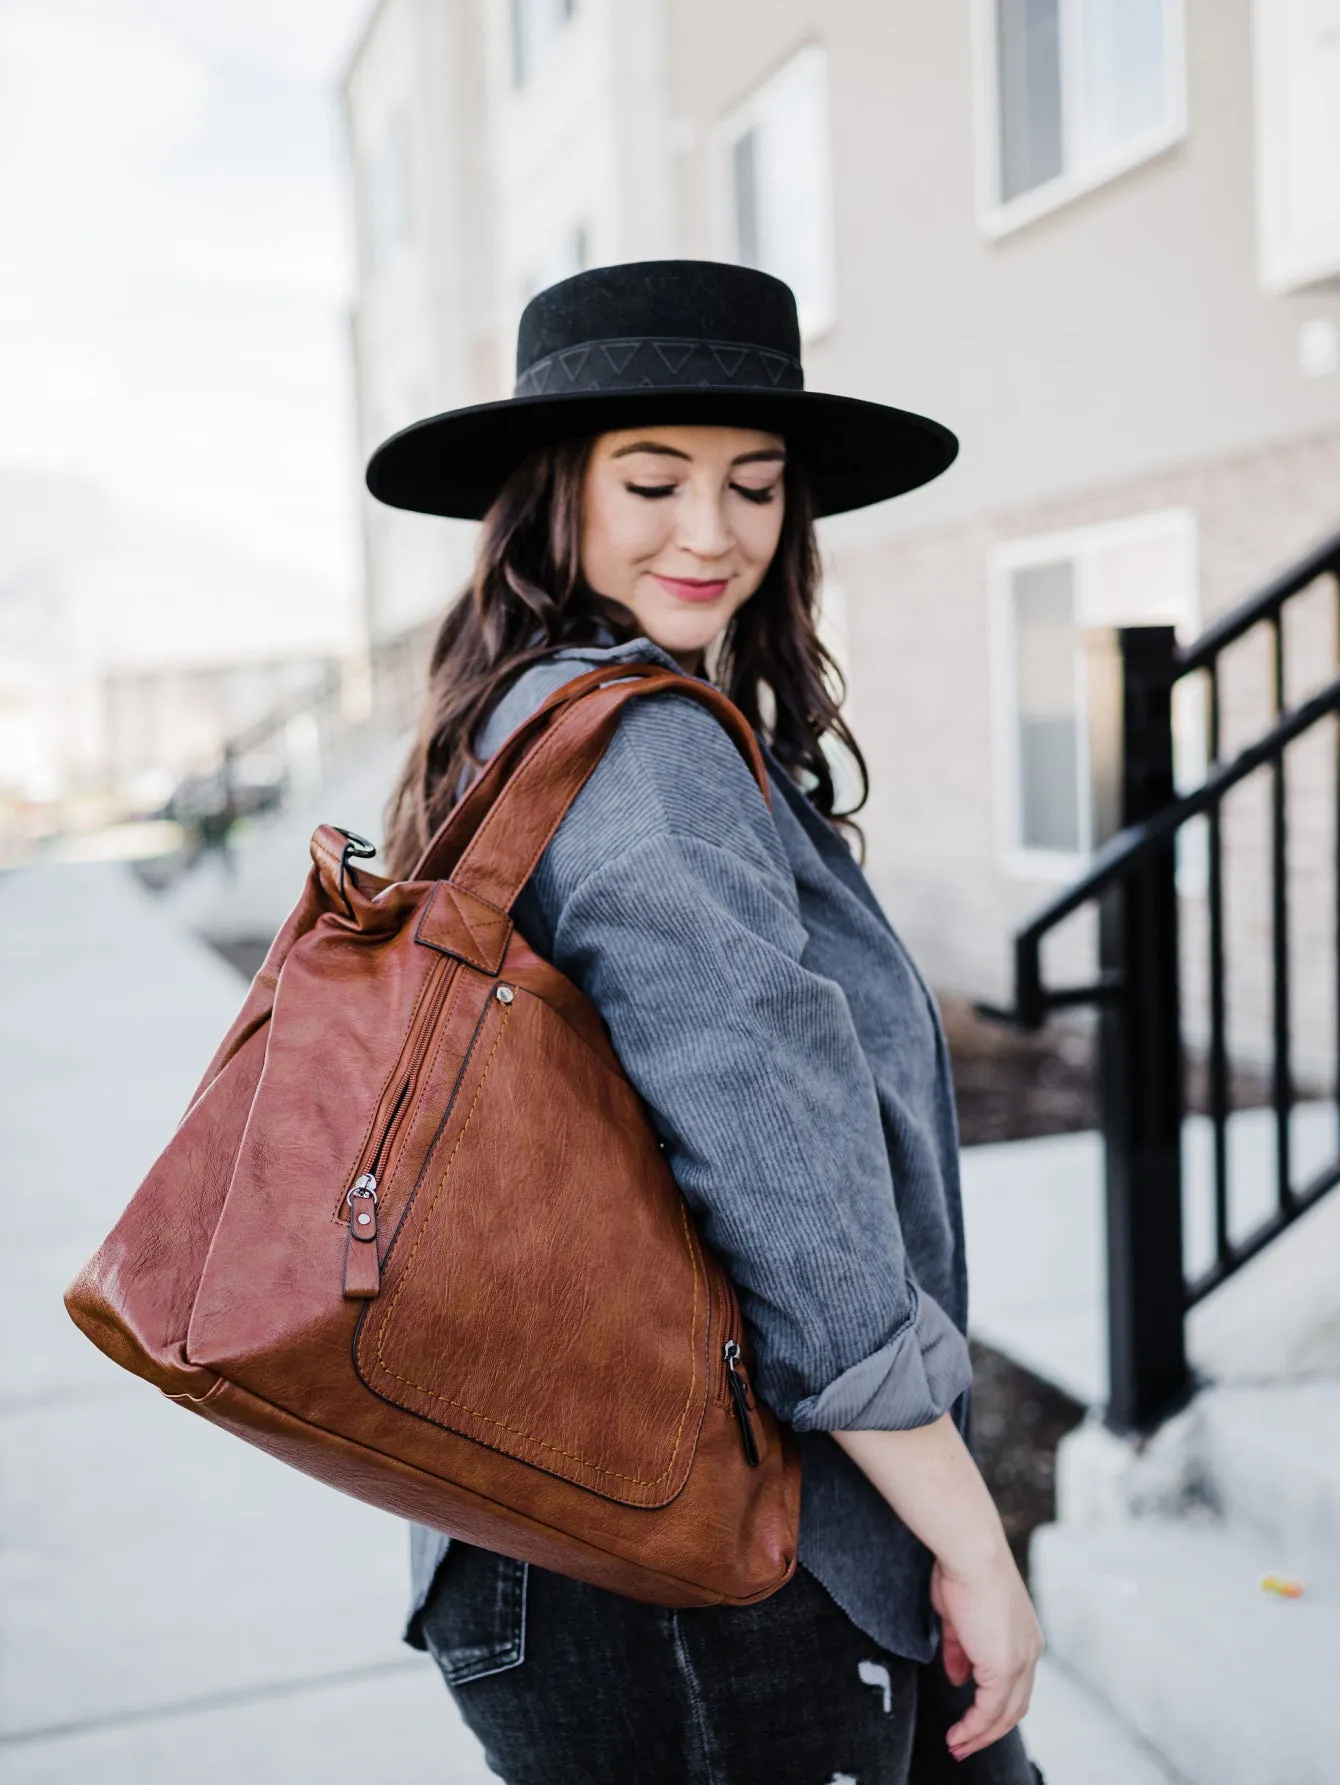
527 598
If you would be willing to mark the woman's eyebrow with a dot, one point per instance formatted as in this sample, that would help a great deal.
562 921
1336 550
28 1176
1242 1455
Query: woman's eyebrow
670 452
764 454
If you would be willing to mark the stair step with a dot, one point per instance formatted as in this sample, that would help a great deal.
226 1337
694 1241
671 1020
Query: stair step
1076 1739
1168 1621
1272 1455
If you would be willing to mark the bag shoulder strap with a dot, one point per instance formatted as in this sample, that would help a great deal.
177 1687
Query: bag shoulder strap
490 842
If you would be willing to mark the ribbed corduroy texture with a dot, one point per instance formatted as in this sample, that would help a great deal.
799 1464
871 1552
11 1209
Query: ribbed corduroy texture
794 1065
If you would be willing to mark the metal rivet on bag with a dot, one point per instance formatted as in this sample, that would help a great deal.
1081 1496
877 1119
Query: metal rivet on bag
365 1220
504 994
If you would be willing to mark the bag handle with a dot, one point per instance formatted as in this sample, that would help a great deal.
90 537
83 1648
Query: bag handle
490 842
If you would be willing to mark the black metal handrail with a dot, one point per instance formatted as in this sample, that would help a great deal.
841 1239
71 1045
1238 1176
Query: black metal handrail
1033 1001
1132 883
1266 604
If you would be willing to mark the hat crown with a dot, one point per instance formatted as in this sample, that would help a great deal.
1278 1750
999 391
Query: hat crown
674 300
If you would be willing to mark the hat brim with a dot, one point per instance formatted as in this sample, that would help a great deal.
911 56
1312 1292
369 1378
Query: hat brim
855 452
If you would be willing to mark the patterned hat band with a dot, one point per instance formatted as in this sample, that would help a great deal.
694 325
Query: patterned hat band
653 362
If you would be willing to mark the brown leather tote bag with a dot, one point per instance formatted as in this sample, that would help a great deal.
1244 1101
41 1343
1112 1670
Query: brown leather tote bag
415 1234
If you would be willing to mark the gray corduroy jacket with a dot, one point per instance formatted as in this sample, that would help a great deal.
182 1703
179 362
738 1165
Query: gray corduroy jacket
793 1062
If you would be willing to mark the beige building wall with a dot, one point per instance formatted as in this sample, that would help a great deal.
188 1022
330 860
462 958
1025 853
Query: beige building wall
1125 331
1114 357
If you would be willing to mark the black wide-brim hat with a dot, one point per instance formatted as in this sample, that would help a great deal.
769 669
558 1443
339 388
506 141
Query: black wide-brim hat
659 342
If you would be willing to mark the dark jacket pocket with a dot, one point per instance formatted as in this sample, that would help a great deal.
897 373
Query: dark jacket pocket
473 1621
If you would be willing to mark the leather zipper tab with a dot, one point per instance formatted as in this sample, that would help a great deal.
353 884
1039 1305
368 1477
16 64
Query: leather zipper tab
741 1398
362 1270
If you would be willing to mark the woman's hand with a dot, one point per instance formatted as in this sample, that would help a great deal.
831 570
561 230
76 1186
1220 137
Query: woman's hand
990 1634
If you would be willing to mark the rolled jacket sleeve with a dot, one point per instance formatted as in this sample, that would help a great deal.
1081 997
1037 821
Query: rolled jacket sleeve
666 895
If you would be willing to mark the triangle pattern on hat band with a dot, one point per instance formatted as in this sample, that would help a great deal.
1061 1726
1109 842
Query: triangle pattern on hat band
729 359
651 362
675 353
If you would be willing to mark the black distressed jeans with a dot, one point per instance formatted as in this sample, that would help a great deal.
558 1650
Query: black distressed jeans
567 1685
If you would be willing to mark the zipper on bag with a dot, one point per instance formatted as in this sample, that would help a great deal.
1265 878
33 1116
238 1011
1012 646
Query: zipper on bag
415 1048
502 995
736 1389
741 1399
368 1178
362 1265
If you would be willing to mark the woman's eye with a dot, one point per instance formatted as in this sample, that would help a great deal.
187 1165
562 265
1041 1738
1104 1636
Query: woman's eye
652 491
759 496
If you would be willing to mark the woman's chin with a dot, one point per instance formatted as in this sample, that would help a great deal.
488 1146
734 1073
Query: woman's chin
683 633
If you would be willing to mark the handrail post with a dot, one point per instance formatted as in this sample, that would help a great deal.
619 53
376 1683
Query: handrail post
1141 1063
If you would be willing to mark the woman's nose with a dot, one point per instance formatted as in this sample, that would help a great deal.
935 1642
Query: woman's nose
703 528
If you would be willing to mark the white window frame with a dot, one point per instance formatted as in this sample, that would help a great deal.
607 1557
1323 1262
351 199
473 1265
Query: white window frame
1079 546
815 318
998 217
1290 258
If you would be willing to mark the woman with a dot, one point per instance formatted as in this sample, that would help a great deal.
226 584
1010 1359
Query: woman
649 494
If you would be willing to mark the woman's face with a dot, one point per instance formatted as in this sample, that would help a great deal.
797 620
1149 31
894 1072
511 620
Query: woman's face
680 525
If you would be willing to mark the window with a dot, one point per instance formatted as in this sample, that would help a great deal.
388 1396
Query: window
536 26
1071 93
1298 141
388 210
1053 600
1048 700
776 209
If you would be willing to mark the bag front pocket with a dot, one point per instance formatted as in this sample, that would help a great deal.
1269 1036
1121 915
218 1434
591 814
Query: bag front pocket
545 1293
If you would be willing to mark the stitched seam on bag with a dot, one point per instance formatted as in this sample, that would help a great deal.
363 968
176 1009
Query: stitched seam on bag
543 1444
431 1053
551 741
452 890
473 1412
552 703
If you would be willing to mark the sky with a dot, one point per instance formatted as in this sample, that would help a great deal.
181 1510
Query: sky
175 267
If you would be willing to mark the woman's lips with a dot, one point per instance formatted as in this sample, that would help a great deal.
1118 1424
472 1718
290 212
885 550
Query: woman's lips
690 589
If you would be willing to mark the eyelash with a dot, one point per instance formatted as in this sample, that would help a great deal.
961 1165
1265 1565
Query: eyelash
655 492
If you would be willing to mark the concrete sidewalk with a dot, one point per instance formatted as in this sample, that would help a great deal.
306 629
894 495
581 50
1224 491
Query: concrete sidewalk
1034 1215
175 1608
